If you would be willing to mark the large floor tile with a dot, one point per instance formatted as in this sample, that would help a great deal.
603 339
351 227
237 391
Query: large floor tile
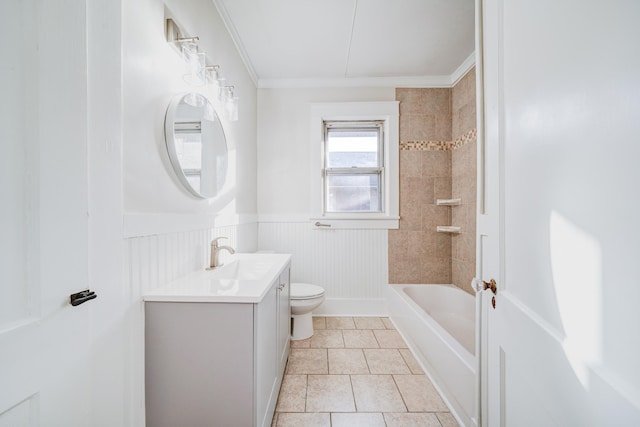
388 323
419 394
307 361
411 420
340 323
385 361
319 323
326 338
293 394
357 420
376 393
368 323
389 339
301 343
447 420
411 361
347 361
354 338
329 393
289 419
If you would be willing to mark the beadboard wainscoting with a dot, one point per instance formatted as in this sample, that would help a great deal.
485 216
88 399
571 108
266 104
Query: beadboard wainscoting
153 260
351 265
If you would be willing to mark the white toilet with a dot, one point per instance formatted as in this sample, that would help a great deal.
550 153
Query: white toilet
304 299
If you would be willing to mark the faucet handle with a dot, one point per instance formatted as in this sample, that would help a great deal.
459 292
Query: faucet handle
214 242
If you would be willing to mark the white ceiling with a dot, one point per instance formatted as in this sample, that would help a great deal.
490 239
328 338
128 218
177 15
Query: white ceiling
352 42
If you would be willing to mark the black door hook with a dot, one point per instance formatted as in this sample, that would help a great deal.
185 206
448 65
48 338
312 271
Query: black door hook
80 297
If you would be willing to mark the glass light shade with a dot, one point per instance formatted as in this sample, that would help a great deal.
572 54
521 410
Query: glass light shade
231 107
196 70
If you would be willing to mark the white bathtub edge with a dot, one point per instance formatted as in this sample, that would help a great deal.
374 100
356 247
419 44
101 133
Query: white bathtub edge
464 418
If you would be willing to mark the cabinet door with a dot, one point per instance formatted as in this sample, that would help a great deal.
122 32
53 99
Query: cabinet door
267 351
284 319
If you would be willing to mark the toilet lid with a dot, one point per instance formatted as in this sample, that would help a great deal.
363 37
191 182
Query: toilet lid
305 291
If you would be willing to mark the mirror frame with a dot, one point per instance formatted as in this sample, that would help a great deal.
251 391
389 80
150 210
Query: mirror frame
170 143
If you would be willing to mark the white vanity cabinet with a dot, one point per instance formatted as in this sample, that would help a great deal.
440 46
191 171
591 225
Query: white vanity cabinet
210 362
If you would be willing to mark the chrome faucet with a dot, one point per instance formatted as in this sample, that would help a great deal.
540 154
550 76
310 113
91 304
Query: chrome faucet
215 252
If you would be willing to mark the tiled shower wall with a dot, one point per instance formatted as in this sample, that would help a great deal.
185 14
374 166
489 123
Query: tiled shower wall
463 181
437 161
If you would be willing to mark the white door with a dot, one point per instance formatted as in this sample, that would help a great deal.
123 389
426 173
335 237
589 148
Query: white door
44 341
561 234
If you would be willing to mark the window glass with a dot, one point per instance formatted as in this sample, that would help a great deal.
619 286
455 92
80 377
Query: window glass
353 193
353 167
352 148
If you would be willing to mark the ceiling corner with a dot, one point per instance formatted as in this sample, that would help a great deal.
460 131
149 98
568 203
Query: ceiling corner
466 65
233 33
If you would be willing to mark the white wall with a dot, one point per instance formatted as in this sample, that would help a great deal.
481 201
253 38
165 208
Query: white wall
283 143
152 75
350 264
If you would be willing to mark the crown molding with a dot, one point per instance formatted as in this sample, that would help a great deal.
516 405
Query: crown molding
405 81
396 82
224 15
463 69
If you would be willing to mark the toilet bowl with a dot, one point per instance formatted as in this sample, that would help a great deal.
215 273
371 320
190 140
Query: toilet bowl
304 299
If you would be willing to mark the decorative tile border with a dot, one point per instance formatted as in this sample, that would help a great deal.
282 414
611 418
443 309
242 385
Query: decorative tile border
439 145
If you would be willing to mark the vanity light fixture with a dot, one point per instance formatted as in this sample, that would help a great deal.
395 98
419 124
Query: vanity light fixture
230 102
198 72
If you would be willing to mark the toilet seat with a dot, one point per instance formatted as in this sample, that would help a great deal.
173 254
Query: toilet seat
303 291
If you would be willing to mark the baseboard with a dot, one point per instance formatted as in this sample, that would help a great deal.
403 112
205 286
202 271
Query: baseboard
353 307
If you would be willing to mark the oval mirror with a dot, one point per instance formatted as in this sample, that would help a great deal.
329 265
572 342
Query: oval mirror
196 144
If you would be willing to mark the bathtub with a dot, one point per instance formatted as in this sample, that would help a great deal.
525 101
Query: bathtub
438 323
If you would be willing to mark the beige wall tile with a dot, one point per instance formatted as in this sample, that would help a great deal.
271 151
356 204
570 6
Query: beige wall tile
434 215
376 393
359 339
442 188
443 127
436 163
419 394
410 164
410 216
411 420
357 420
386 361
416 191
307 420
293 394
347 361
329 393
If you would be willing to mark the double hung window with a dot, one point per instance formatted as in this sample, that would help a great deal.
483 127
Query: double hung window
353 166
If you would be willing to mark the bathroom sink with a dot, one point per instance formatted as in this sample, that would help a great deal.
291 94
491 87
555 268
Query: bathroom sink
243 269
242 278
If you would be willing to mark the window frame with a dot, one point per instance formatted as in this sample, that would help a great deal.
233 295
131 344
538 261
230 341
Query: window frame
347 126
385 113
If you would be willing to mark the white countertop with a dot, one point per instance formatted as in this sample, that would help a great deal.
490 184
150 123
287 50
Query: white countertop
244 278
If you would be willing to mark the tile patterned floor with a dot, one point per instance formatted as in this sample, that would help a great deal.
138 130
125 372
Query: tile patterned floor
357 372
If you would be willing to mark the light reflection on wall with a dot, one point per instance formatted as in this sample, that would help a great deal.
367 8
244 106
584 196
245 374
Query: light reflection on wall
576 263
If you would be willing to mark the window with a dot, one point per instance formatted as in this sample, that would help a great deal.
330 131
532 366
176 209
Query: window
353 166
354 155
